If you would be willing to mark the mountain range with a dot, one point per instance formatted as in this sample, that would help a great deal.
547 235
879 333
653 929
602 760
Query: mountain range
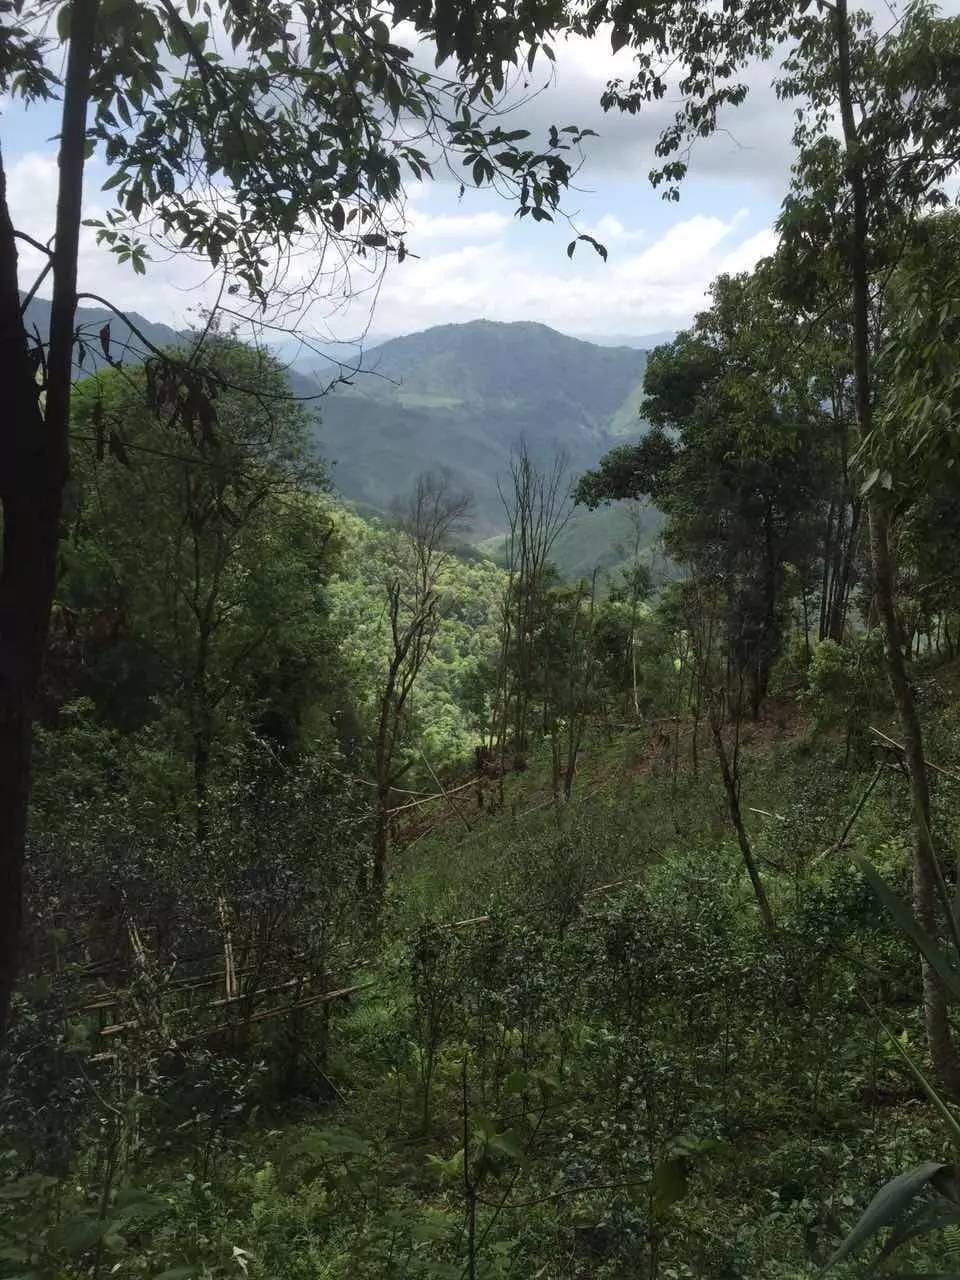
459 398
124 342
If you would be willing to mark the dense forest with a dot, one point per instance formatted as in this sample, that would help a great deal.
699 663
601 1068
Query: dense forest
402 889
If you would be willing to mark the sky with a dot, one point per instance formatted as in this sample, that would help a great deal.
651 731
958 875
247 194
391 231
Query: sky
474 259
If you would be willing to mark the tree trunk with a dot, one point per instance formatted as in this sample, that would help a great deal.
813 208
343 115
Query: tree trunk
841 593
202 724
33 472
826 587
202 742
383 759
736 817
939 1036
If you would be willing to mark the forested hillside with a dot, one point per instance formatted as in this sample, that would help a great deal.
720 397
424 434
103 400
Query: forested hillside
463 397
499 820
128 334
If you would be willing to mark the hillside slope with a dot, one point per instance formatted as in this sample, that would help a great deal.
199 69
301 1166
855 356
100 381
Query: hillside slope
460 397
125 344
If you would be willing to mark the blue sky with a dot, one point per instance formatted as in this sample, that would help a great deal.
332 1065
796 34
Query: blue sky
474 259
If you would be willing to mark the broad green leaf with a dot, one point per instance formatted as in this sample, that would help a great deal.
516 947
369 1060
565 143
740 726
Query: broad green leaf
509 1144
333 1142
434 1227
904 918
885 1207
79 1233
29 1185
669 1183
515 1083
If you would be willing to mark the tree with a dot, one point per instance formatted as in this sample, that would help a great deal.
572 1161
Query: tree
566 661
414 598
855 205
733 462
617 630
537 507
913 443
170 549
245 162
892 166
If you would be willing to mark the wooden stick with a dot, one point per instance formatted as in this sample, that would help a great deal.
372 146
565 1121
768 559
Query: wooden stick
437 795
838 844
929 763
446 794
462 924
603 888
264 1014
231 987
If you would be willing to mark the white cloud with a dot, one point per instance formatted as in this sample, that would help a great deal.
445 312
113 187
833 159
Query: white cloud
747 254
610 230
423 226
471 263
173 285
660 287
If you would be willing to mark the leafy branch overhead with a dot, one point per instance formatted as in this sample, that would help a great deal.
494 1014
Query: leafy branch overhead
232 131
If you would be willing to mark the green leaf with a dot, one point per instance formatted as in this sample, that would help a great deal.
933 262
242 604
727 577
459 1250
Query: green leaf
870 481
904 918
29 1185
885 1207
176 1273
509 1144
64 16
515 1083
333 1142
435 1227
669 1183
79 1233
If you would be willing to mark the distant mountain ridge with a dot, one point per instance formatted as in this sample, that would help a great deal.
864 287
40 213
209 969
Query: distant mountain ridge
462 396
643 342
458 397
90 320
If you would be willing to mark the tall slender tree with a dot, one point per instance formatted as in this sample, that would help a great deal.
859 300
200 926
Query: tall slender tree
425 524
